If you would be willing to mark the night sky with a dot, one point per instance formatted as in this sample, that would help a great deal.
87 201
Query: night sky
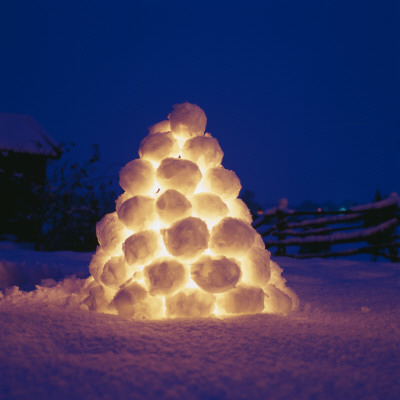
302 96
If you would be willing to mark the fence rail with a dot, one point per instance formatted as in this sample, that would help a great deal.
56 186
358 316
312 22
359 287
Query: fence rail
371 229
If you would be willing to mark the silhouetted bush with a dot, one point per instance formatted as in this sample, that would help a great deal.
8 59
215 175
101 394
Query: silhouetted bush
72 200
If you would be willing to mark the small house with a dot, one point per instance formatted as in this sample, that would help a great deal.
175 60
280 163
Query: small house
25 149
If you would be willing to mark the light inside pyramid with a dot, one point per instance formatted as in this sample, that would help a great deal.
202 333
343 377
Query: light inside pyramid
180 243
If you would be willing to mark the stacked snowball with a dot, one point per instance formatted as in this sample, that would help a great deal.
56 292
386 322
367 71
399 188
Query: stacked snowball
180 243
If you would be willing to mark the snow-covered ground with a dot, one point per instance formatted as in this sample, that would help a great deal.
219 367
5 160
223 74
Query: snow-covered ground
343 343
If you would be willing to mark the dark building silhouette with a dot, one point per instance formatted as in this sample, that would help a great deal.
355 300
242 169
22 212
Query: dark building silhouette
24 150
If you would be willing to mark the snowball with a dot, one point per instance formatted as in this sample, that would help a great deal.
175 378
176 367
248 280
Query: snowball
208 206
242 300
121 199
277 301
258 241
172 205
231 237
222 182
238 209
115 272
110 233
157 146
186 238
125 300
98 298
187 120
178 174
256 269
137 177
204 151
276 272
97 263
162 126
215 274
190 303
137 213
293 296
165 276
140 248
133 301
280 283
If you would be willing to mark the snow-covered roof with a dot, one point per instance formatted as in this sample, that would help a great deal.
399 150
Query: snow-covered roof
22 134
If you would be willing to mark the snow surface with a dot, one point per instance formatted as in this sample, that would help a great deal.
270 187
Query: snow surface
25 268
343 343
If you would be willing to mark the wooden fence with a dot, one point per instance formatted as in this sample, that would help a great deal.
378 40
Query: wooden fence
370 228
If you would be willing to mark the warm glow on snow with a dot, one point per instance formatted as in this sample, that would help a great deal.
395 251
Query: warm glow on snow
180 243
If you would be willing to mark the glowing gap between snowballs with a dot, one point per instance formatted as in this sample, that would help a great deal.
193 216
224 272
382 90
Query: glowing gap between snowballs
180 243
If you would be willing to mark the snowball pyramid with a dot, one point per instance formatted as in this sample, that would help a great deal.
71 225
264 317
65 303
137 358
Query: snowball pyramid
180 243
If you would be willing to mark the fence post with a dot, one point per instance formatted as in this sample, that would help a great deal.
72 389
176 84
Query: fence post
281 225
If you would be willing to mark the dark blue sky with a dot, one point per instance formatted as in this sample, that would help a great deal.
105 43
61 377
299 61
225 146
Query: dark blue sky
302 96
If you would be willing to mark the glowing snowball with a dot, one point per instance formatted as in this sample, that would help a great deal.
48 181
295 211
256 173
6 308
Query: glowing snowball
277 301
137 177
276 272
204 151
125 300
165 276
280 283
178 174
134 301
187 120
157 146
115 272
137 213
215 274
208 206
258 241
256 268
190 303
110 231
231 237
162 126
292 294
121 199
98 298
238 209
172 205
242 300
140 248
97 263
222 182
186 238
